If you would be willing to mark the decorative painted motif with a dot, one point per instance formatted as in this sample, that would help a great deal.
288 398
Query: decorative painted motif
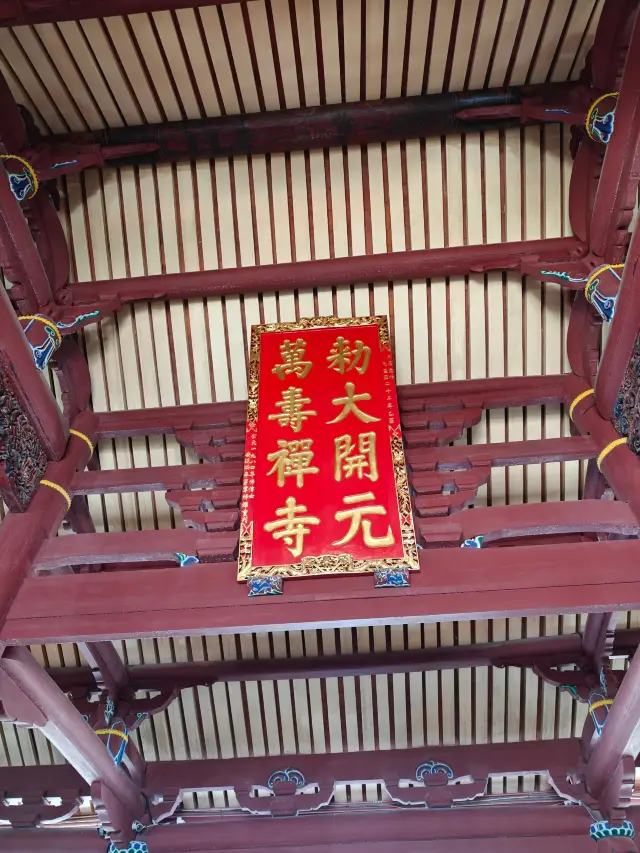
564 276
109 710
475 542
265 586
605 304
22 185
186 559
289 774
433 768
600 119
600 704
22 458
626 412
51 340
603 829
391 578
133 847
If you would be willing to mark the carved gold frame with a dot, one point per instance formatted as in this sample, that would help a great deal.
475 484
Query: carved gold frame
332 563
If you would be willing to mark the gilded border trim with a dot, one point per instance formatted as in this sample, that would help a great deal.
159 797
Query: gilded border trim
329 564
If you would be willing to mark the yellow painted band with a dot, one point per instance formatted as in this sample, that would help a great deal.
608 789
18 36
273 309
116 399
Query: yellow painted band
84 437
608 449
125 737
598 272
46 322
580 397
59 489
28 167
587 121
601 703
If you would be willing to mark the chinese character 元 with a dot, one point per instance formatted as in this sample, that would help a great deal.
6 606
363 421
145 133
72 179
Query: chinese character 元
342 358
356 517
349 405
293 360
293 460
362 463
290 526
293 413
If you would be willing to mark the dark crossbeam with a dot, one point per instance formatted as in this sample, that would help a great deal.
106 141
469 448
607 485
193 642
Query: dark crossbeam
538 651
307 128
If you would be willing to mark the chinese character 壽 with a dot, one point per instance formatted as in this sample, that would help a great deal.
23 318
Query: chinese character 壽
293 360
342 358
362 463
349 405
358 522
293 460
293 413
290 526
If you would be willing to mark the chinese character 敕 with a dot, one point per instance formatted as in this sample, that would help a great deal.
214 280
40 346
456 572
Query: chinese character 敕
342 358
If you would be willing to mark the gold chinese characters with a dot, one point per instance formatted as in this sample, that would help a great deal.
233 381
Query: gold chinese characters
292 413
290 526
293 459
349 404
342 358
356 516
363 463
293 360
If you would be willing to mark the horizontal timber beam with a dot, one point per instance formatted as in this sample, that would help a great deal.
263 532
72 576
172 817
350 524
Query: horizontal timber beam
365 829
391 266
541 651
454 583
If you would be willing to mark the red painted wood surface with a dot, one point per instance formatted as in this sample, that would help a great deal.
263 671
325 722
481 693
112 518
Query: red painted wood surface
453 583
355 269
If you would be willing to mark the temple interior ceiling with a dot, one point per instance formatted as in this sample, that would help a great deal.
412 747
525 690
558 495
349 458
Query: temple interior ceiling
491 187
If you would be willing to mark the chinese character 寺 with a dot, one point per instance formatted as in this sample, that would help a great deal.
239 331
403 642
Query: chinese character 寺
293 460
363 463
356 517
293 360
293 413
290 526
349 405
343 358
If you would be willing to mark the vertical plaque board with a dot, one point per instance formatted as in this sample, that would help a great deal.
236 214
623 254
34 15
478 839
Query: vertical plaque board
325 485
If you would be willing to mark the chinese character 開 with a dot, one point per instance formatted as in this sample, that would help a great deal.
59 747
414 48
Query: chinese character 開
290 526
362 463
358 521
293 460
349 405
342 358
293 360
293 413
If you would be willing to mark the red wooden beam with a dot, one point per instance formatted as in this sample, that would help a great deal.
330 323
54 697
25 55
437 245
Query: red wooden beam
361 829
454 583
391 266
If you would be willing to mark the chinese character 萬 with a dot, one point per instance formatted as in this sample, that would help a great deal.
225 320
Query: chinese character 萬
293 360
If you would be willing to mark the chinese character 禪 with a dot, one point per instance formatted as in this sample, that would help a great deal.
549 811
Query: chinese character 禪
362 463
293 360
349 405
293 413
342 358
293 460
290 526
356 517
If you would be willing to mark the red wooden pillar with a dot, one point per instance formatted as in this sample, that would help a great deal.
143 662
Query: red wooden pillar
30 695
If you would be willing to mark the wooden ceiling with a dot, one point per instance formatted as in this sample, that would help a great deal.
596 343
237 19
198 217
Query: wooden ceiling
270 54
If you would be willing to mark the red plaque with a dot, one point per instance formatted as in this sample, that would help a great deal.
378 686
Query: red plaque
325 485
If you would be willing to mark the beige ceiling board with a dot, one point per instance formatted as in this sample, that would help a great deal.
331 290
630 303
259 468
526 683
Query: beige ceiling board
274 54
